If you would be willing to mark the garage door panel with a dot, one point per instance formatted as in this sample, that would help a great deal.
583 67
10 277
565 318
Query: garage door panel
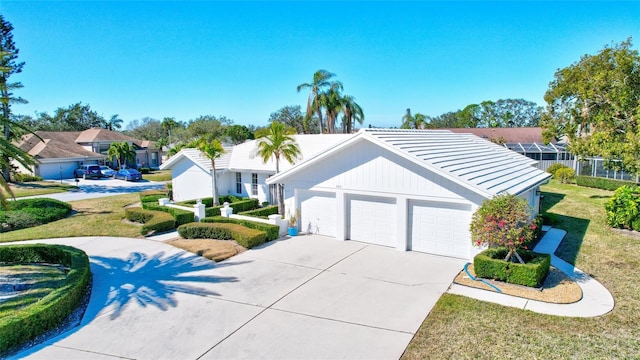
372 220
318 213
439 228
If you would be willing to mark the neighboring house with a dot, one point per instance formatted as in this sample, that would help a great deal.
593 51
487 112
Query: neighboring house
526 141
239 171
59 153
408 189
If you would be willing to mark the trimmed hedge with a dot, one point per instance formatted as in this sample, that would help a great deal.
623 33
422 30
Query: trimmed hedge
273 231
154 221
208 202
489 264
242 235
27 213
263 212
602 183
238 207
152 195
33 320
181 216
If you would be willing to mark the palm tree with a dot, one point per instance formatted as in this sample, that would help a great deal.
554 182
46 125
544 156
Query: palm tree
331 102
115 123
167 124
352 111
417 121
277 141
212 149
122 151
320 82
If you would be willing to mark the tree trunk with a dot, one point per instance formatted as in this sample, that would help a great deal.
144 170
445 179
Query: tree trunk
214 184
511 254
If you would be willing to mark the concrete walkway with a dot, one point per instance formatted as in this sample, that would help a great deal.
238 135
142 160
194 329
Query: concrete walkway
306 297
596 299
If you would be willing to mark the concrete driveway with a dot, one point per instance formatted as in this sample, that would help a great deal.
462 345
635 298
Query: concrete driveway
307 297
96 188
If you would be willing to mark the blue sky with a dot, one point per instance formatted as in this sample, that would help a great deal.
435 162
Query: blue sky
244 59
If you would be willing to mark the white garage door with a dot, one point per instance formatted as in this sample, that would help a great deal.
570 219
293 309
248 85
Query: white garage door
372 220
318 213
440 228
52 171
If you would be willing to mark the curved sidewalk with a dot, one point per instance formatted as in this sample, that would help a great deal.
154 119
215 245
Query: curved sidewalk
596 299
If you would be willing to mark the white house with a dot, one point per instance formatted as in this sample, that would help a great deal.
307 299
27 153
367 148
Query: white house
408 189
239 171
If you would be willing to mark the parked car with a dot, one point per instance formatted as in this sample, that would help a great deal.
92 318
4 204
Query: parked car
88 172
107 171
128 175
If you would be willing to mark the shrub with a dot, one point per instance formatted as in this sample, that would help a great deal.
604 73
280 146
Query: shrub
564 175
144 170
22 177
624 207
180 216
33 320
262 212
489 264
152 195
555 167
244 236
273 231
504 220
26 213
154 221
601 183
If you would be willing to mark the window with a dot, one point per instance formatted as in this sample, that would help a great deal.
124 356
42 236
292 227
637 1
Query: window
238 183
254 184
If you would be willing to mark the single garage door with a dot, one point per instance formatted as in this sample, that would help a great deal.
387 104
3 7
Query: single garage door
372 220
440 228
318 212
52 171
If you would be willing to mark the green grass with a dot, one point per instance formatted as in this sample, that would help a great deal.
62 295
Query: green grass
39 188
460 327
44 279
93 217
158 175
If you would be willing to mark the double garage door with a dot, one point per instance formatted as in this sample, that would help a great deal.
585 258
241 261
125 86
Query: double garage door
432 227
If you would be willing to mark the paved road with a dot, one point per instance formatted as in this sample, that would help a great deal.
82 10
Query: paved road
89 189
307 297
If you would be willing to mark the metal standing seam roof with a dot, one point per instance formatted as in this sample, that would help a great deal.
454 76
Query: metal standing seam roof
475 163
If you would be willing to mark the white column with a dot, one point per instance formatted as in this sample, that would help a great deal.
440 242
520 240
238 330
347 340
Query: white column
402 223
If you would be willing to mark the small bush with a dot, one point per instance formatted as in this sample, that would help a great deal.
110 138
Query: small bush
262 212
242 235
555 167
144 170
27 213
23 178
154 221
623 209
33 320
564 175
489 264
181 216
602 183
273 231
152 195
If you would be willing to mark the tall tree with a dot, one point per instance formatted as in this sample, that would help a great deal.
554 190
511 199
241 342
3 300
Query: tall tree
113 124
417 121
352 112
237 134
146 128
595 102
8 66
321 81
277 142
292 116
212 149
122 151
331 101
169 123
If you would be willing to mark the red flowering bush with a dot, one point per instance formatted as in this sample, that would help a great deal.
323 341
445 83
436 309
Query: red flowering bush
505 221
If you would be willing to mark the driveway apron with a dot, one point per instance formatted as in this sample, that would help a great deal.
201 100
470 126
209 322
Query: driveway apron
306 297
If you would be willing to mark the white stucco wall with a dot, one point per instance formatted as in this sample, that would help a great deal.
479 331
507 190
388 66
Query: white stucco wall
190 181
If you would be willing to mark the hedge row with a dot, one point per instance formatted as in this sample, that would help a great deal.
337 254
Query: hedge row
273 231
489 264
181 216
27 213
241 234
602 183
152 195
238 207
31 321
263 212
208 202
154 221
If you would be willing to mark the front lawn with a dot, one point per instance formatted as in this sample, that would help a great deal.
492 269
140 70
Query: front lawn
92 217
158 175
39 188
460 327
